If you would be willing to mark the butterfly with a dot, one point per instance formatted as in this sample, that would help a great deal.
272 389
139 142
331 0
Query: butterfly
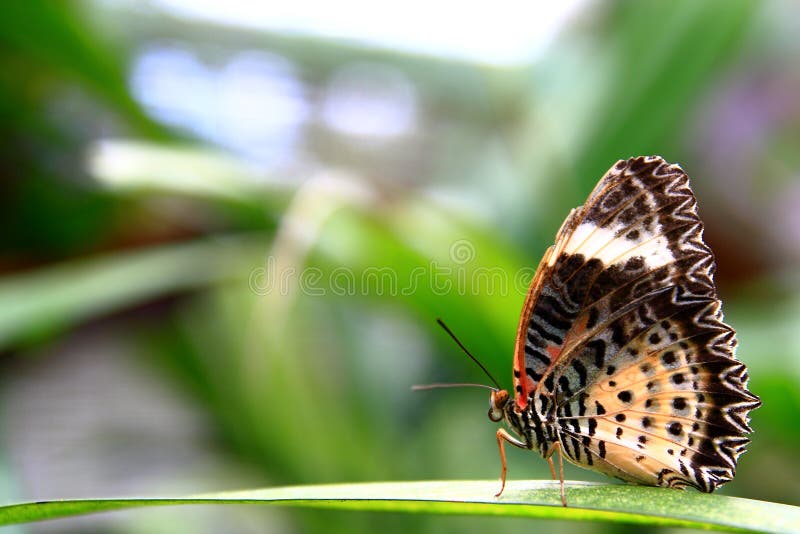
622 361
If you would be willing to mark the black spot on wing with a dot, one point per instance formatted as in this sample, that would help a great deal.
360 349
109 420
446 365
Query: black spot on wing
592 422
581 370
533 374
545 333
597 349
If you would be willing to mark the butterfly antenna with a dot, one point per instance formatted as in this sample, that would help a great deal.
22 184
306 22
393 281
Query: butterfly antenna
450 385
468 353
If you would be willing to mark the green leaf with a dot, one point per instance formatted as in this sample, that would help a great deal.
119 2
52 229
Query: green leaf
532 498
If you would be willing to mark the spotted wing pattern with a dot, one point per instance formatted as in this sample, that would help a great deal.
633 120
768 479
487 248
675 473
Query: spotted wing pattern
622 346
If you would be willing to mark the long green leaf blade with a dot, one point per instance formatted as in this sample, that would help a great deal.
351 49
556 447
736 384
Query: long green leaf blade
535 499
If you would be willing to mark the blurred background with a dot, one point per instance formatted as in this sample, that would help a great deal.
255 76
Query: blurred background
228 228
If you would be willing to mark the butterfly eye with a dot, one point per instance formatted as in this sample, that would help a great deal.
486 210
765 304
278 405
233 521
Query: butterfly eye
497 403
495 415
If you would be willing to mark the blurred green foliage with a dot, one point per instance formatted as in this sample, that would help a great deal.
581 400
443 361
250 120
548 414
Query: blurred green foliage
137 240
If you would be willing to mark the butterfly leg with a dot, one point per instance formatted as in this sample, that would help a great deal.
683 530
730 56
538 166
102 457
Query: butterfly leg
552 469
502 437
556 447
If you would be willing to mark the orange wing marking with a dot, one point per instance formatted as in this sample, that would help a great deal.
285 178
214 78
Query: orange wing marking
524 381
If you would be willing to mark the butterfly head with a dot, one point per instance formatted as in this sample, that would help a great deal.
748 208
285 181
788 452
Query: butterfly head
497 404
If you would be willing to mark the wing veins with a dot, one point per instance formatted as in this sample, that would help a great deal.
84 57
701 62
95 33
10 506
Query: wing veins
642 452
633 223
610 216
627 345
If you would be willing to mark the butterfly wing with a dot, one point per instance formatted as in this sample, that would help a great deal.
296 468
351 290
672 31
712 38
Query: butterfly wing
623 342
